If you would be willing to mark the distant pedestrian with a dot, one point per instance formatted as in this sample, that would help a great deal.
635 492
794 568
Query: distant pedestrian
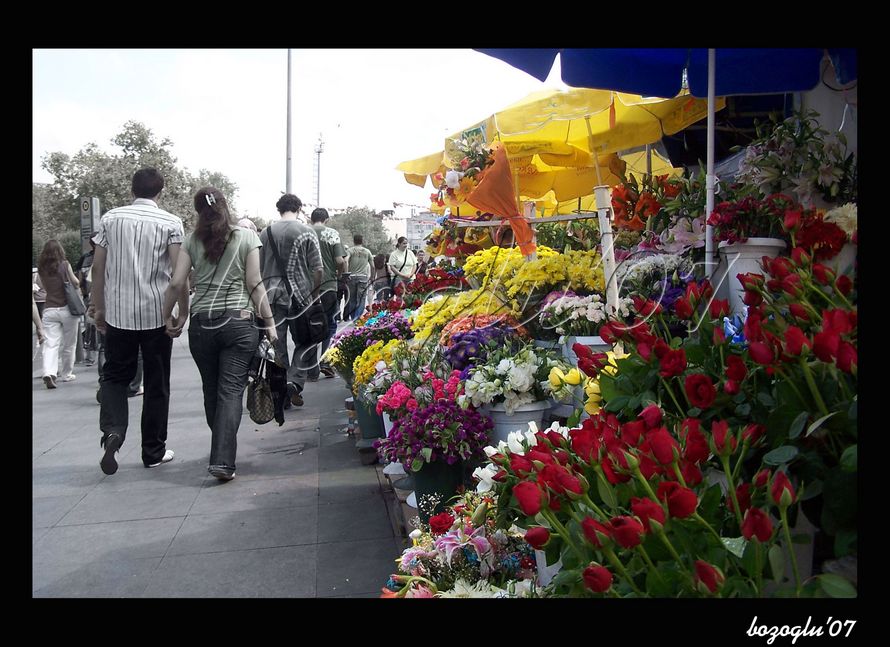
359 263
290 260
136 250
382 279
83 270
58 323
38 291
38 324
334 258
223 331
402 263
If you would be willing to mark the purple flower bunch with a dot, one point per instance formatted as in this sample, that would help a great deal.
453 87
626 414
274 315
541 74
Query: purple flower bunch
441 431
470 347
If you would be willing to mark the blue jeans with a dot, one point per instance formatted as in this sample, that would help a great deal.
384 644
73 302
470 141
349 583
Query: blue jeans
358 290
118 370
329 303
303 357
222 349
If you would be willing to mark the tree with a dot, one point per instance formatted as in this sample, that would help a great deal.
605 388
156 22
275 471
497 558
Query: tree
364 221
92 172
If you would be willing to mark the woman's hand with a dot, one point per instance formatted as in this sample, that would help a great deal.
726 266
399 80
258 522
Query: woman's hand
174 326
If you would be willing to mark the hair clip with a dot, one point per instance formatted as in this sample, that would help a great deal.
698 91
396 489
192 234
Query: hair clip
210 199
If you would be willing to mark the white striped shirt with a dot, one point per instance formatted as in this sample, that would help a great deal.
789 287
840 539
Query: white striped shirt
137 265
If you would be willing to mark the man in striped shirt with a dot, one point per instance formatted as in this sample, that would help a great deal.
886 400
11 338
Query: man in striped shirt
136 249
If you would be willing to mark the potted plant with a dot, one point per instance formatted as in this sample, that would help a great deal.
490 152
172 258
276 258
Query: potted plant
434 441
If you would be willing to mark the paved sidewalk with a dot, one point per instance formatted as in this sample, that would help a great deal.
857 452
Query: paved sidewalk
303 517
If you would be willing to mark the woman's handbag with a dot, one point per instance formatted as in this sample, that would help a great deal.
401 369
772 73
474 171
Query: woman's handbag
260 405
313 324
72 296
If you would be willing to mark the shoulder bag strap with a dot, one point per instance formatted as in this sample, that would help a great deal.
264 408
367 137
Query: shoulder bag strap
281 267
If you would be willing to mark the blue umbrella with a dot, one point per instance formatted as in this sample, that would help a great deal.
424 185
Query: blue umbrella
708 72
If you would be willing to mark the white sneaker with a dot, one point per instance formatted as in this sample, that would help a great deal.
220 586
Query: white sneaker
68 378
168 456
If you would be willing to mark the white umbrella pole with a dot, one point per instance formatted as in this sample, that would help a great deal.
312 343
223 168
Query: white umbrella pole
603 207
710 265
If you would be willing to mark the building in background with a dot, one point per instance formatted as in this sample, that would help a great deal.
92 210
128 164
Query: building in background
418 227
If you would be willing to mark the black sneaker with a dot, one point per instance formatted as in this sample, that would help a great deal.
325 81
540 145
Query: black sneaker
293 392
112 442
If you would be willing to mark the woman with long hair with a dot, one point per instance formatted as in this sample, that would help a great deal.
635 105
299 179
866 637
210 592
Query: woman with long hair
59 324
223 328
402 263
381 279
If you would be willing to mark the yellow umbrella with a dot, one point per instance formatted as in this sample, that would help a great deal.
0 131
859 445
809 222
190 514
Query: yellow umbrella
636 164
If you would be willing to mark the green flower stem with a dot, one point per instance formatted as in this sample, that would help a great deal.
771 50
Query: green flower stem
783 513
680 409
586 500
563 532
793 386
667 543
613 558
808 375
678 474
642 479
416 578
842 297
724 460
844 389
701 520
738 463
758 560
649 562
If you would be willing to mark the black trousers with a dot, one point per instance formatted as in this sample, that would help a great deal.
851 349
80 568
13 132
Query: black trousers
121 357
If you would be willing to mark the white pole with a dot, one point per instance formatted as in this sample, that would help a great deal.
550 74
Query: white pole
287 183
604 208
710 265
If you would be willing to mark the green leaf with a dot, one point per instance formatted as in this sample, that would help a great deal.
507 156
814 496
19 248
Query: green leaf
798 424
607 388
743 410
735 545
766 399
845 542
416 464
624 384
749 557
427 453
849 459
818 423
617 404
566 577
812 490
607 494
836 586
574 419
710 502
552 550
740 397
852 411
777 562
648 397
780 455
695 355
694 412
634 403
656 586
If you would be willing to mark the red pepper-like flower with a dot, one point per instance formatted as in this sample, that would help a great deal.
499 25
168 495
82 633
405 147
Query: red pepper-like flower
596 533
537 537
662 445
647 510
795 341
651 415
673 363
782 491
757 524
530 498
681 501
627 531
597 578
724 442
708 575
700 390
441 523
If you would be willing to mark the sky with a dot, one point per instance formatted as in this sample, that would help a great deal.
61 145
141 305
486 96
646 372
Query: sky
225 110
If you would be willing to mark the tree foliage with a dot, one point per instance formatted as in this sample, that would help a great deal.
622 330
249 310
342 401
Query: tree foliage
364 221
93 172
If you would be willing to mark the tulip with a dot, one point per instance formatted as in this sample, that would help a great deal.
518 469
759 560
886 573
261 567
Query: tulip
573 377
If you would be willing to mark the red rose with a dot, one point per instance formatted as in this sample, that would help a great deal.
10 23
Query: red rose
537 537
800 256
790 222
743 494
825 345
662 445
839 321
781 486
792 285
681 501
761 353
823 274
757 524
646 510
718 336
627 531
612 475
697 449
648 467
661 348
753 433
795 340
731 388
651 415
710 576
632 431
596 533
719 308
844 284
691 474
735 368
761 478
780 267
752 329
724 442
529 496
847 357
521 465
585 443
683 309
607 334
752 299
597 578
441 523
673 362
750 281
541 453
799 312
700 390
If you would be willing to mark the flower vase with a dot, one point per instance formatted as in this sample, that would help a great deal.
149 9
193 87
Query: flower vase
593 342
437 481
369 422
504 422
547 344
392 469
744 258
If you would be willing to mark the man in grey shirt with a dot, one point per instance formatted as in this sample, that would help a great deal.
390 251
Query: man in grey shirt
297 269
358 265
